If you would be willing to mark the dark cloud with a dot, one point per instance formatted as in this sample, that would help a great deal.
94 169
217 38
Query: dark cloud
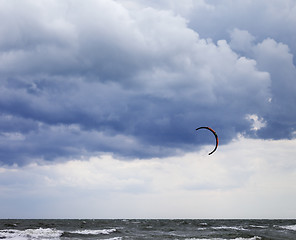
133 81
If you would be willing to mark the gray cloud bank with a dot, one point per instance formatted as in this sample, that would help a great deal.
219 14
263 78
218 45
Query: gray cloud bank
134 80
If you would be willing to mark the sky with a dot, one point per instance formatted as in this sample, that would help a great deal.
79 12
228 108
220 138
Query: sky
100 99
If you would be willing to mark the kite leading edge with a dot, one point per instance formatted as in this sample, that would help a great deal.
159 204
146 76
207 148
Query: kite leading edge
216 136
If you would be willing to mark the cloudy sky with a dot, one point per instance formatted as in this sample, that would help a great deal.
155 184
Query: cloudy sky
100 99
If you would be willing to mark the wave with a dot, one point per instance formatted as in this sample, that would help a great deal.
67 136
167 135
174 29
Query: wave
94 232
251 238
227 228
289 227
40 233
258 226
49 233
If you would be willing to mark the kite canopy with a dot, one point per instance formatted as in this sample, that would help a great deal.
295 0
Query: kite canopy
215 134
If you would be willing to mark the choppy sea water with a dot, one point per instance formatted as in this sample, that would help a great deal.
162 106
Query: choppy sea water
147 229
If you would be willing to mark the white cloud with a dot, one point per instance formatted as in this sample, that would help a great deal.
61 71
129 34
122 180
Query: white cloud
246 178
257 122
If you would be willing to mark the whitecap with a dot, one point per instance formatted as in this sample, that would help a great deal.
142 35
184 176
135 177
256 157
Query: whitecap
258 226
40 233
252 238
226 228
289 227
94 232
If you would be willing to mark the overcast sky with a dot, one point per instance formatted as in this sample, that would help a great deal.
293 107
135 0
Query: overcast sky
100 99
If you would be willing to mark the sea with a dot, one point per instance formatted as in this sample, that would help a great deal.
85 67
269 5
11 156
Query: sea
121 229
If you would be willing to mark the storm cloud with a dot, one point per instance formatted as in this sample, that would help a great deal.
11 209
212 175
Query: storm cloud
134 80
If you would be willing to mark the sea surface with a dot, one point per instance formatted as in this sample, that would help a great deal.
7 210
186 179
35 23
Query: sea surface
121 229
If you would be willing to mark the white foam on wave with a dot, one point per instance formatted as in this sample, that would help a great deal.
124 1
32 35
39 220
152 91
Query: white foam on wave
201 228
94 232
289 227
227 228
258 226
40 233
48 233
252 238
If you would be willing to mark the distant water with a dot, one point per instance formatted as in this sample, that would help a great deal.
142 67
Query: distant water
148 229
